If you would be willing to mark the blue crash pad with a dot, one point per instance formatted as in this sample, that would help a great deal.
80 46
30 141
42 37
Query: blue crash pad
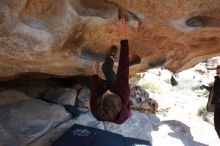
79 135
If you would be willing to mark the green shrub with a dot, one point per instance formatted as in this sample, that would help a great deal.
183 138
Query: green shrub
205 93
151 86
202 112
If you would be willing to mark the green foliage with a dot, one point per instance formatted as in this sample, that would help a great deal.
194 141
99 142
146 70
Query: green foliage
205 93
151 86
202 112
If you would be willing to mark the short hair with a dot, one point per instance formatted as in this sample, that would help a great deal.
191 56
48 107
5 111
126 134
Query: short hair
218 67
108 107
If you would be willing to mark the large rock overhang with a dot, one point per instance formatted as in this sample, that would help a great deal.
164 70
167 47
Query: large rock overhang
62 37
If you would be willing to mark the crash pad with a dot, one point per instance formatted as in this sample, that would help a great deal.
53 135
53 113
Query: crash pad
79 135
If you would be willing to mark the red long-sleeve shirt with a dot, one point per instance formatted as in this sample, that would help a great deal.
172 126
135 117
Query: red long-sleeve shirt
120 87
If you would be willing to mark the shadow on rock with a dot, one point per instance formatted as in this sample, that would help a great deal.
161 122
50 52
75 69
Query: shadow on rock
181 131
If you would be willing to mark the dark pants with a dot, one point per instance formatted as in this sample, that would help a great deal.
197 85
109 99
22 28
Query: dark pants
108 71
217 121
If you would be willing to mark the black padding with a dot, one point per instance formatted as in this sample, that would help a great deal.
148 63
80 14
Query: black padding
79 135
136 142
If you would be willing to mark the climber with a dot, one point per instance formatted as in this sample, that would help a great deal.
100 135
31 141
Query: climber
213 104
110 102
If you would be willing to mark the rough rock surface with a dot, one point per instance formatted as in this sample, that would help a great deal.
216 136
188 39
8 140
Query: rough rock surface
138 95
141 101
61 96
140 126
137 126
11 96
83 98
62 37
25 121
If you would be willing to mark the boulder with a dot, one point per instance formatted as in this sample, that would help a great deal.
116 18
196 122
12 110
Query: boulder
52 135
6 138
33 85
137 126
150 106
25 121
83 98
11 96
63 37
141 101
138 95
86 119
61 96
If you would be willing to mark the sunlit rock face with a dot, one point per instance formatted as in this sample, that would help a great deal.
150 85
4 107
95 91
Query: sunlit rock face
62 37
